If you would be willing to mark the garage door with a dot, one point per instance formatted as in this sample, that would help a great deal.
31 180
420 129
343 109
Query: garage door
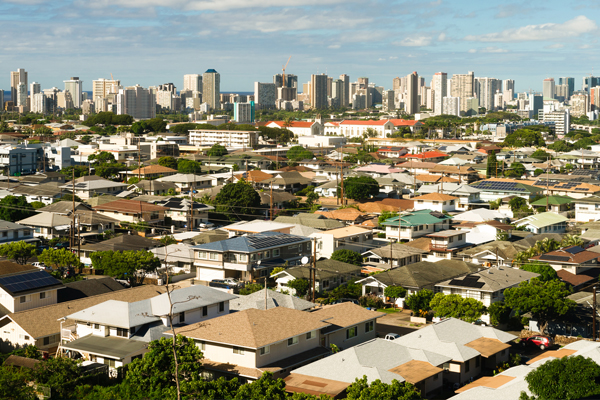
208 274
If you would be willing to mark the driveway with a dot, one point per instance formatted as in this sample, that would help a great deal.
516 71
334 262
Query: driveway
396 323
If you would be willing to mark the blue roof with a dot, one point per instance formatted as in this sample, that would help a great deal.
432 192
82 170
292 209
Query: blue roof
250 243
211 71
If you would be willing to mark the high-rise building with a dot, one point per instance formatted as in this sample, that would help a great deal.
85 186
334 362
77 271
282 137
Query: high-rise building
318 92
34 88
589 82
51 99
192 82
1 100
549 89
265 95
345 98
211 88
536 103
411 104
463 87
74 86
570 82
508 90
16 77
580 104
329 83
439 85
396 83
337 92
595 98
104 87
290 80
136 101
451 106
485 90
363 82
243 112
389 100
38 103
22 95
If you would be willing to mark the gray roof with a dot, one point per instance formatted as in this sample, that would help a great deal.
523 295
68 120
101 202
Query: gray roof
50 189
374 359
7 225
189 298
395 250
529 241
47 220
123 242
94 185
184 178
325 269
89 287
316 221
152 185
492 279
274 299
449 337
108 346
250 243
505 250
64 207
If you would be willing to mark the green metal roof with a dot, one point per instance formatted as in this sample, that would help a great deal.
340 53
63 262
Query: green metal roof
552 200
542 220
416 218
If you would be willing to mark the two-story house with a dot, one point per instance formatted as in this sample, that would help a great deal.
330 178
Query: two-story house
445 244
181 210
394 254
47 225
132 211
573 259
546 222
87 187
355 238
329 275
411 225
249 257
467 195
116 332
11 232
587 209
435 201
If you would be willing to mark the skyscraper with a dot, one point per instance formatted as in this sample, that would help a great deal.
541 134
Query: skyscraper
103 87
570 82
265 95
548 90
439 85
192 82
211 88
74 86
463 86
345 97
337 92
486 89
1 100
34 88
589 82
411 105
136 101
508 89
318 91
22 95
17 77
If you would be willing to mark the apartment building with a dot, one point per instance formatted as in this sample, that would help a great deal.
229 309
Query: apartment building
207 137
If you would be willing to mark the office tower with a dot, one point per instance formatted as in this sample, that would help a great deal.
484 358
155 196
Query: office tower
439 86
211 88
103 87
363 82
51 99
74 86
396 83
536 103
463 86
472 106
561 92
22 94
265 95
38 103
570 82
508 89
136 101
376 94
411 105
345 98
1 100
16 77
167 100
34 88
329 83
589 82
451 106
549 89
389 100
243 112
580 104
192 82
290 80
595 98
318 92
485 89
169 87
337 92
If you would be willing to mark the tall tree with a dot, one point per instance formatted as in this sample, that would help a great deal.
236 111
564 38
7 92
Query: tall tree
131 265
13 208
347 256
20 252
216 150
546 272
168 161
238 199
454 305
360 188
492 164
420 300
361 389
60 259
297 153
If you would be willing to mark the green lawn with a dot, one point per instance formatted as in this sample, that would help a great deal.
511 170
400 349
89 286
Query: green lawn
389 310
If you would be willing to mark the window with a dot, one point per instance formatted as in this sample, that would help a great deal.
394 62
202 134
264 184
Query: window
25 299
122 332
182 317
204 311
202 255
110 362
132 330
201 345
300 247
351 332
46 340
267 254
293 340
213 256
467 365
238 350
24 337
311 335
369 326
96 326
222 306
265 350
43 295
275 252
243 257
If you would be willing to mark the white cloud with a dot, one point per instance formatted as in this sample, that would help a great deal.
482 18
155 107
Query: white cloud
442 37
415 41
472 51
493 49
555 46
206 5
334 46
204 32
381 59
572 28
585 46
393 58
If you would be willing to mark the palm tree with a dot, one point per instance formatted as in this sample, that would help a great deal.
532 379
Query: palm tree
571 240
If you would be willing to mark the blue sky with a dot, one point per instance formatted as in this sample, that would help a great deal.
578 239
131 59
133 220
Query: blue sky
149 42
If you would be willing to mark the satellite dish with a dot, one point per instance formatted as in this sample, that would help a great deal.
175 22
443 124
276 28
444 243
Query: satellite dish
304 260
258 262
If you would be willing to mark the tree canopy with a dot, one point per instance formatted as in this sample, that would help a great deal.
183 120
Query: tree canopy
216 150
454 305
60 259
301 286
20 252
188 166
524 137
347 256
13 208
545 300
491 169
297 153
546 272
360 188
238 199
395 292
361 389
132 265
420 300
168 161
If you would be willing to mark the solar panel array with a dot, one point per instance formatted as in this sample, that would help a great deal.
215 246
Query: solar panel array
498 186
25 282
558 184
580 171
260 242
574 249
467 281
554 258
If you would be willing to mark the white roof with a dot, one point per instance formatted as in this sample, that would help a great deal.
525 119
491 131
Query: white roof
257 226
479 215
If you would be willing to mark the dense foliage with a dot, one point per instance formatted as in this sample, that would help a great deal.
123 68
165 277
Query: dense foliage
13 208
360 188
347 256
238 200
454 305
131 265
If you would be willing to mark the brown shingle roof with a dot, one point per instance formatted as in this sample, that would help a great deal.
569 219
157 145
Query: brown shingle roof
153 169
9 267
345 214
416 371
436 179
487 346
344 315
128 206
572 279
435 197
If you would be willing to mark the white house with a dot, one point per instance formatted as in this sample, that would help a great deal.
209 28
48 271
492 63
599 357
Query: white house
435 201
354 237
587 209
547 222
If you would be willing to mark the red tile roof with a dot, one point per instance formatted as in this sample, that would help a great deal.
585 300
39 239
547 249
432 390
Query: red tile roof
364 122
293 124
404 122
426 155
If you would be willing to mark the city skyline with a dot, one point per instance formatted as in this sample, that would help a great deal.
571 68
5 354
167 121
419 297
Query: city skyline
137 41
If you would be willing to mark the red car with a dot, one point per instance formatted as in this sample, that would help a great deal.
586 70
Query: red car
543 342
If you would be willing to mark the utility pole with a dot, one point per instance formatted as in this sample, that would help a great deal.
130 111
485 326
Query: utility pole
72 236
314 268
548 183
271 202
139 164
79 237
594 313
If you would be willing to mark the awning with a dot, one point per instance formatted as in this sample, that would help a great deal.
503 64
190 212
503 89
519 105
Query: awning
112 347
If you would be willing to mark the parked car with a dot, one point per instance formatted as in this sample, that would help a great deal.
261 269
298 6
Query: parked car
543 342
345 301
206 225
227 283
39 265
392 336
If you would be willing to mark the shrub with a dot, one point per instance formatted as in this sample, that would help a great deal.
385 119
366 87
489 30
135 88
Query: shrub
370 300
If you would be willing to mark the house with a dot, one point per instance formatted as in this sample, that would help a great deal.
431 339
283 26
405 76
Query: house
88 287
118 243
46 193
87 187
154 187
483 232
498 252
445 244
355 238
394 254
48 225
573 259
546 222
435 201
328 189
256 226
149 172
65 207
416 276
43 177
41 327
415 224
467 196
464 174
132 211
329 275
11 232
180 211
312 220
587 209
249 257
486 286
494 189
267 298
417 167
376 170
433 156
91 223
178 257
348 215
186 182
480 215
116 332
23 287
288 181
378 359
471 347
555 204
392 151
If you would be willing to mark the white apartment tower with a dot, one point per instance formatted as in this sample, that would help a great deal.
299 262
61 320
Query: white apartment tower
486 89
136 101
345 97
22 94
34 88
17 77
548 90
265 95
439 85
192 82
411 105
211 89
463 86
38 103
74 86
103 87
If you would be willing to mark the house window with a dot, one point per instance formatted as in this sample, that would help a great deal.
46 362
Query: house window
122 332
204 311
369 326
182 317
43 295
238 350
222 306
201 345
265 350
275 252
467 365
24 337
243 257
110 362
213 256
311 335
202 255
300 247
46 340
267 254
351 332
25 299
293 340
96 326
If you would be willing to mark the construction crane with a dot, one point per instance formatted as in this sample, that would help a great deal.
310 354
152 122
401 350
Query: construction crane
111 77
283 69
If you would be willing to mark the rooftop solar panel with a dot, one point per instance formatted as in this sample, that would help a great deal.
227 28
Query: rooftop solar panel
574 250
554 258
29 281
